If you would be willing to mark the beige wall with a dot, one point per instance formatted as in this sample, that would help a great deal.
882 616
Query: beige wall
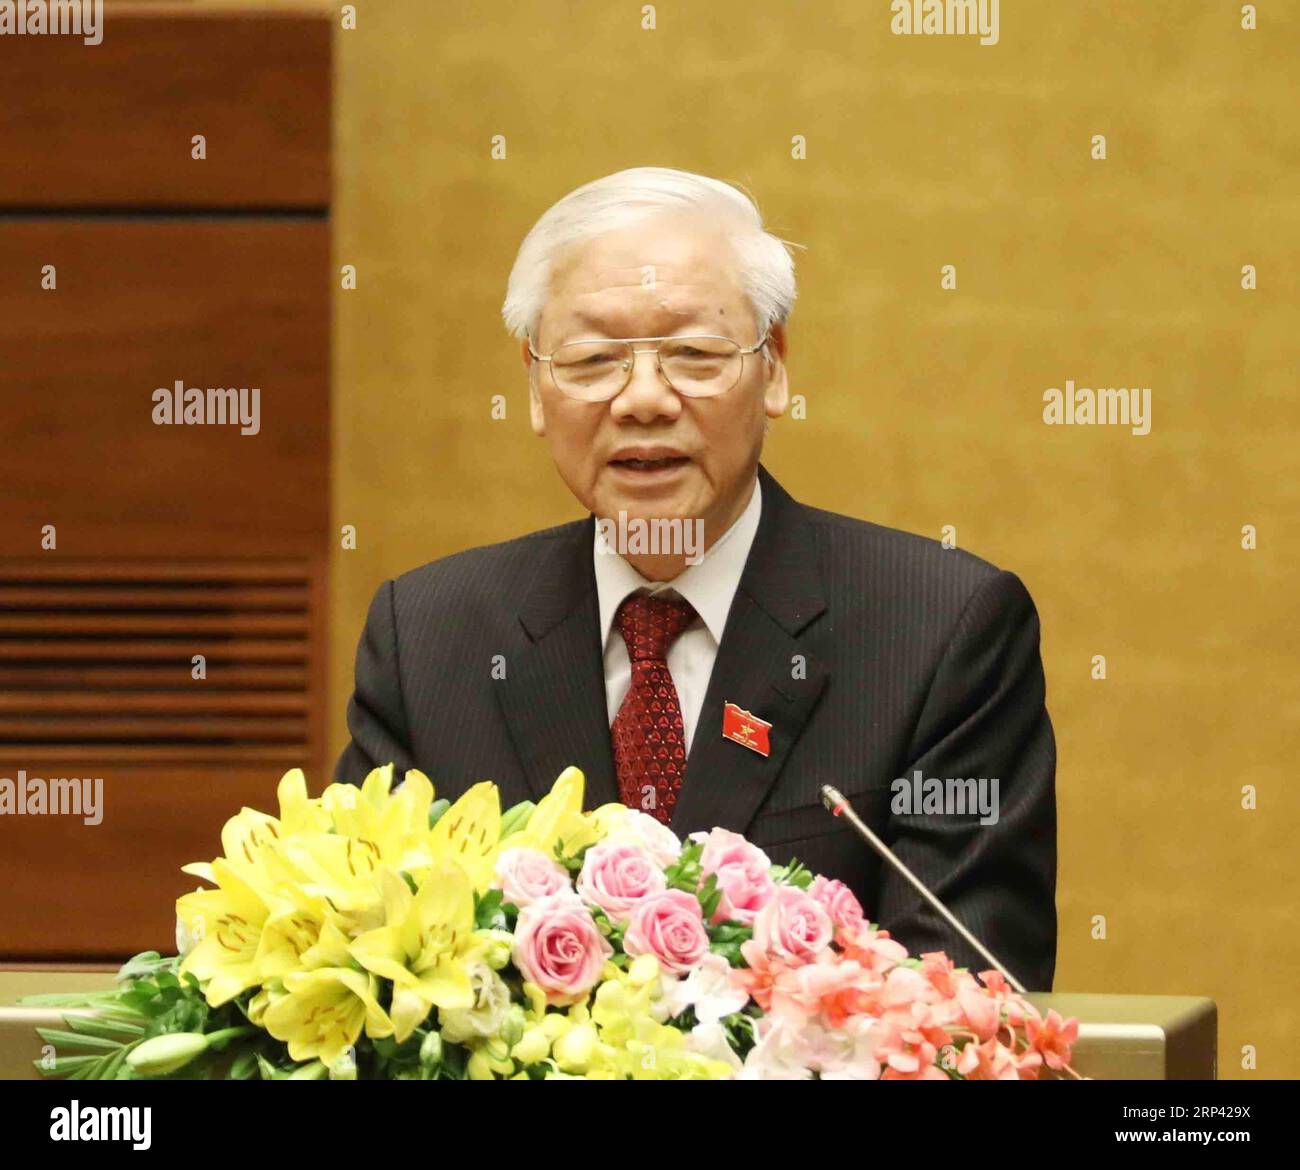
923 406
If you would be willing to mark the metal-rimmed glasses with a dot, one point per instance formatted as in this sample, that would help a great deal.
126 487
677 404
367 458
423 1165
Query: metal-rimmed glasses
597 369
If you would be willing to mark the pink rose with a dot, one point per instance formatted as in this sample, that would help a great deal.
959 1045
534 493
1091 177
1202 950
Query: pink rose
742 872
642 829
793 926
723 847
524 875
616 875
840 903
670 926
559 948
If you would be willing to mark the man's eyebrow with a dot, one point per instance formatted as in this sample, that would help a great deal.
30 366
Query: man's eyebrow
595 321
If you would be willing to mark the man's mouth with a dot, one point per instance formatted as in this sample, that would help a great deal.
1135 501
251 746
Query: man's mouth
651 465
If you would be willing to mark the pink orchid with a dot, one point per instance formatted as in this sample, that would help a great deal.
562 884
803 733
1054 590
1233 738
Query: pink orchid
981 1012
871 949
1052 1039
989 1061
907 1054
837 990
941 971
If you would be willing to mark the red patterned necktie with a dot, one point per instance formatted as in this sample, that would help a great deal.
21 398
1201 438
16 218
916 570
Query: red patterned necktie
648 733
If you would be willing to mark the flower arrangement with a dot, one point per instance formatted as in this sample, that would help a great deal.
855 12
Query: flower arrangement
378 932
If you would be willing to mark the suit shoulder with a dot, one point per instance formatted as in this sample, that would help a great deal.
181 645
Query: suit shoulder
890 558
489 566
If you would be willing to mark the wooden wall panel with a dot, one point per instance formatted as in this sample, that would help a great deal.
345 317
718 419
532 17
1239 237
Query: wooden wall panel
74 890
172 540
140 304
111 124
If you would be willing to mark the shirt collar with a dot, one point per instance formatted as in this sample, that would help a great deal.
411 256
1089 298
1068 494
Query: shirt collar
709 586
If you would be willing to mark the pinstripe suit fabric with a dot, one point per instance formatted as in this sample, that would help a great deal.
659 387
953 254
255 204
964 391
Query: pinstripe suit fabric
873 653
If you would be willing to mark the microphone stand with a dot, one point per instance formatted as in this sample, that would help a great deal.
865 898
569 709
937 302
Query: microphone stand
834 800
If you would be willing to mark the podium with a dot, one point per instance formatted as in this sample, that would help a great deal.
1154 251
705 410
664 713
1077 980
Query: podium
1121 1037
1138 1037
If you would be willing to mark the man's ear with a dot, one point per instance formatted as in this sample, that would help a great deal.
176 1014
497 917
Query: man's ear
536 415
776 392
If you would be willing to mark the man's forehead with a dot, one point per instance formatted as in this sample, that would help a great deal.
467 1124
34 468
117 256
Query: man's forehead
594 294
646 274
597 278
626 310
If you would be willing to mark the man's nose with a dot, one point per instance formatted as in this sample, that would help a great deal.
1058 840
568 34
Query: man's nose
647 395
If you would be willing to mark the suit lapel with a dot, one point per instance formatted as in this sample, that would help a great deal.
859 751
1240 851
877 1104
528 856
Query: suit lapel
553 695
759 669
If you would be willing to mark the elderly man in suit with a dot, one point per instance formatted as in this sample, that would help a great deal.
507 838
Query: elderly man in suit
702 646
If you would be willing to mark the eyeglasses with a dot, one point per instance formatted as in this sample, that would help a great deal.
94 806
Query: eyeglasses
701 366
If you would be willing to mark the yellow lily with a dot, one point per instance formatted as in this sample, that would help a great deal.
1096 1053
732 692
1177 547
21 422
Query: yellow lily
298 812
323 1012
468 833
392 825
299 939
558 819
602 819
425 946
338 872
248 839
228 923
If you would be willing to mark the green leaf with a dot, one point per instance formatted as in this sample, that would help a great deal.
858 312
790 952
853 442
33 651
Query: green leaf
488 914
436 810
269 1071
141 999
75 1040
67 999
141 965
709 896
104 1026
244 1066
516 818
113 1063
62 1065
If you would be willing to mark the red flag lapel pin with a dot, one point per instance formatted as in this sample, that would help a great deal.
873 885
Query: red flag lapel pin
746 729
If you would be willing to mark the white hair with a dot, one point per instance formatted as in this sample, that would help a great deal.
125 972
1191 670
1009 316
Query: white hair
764 266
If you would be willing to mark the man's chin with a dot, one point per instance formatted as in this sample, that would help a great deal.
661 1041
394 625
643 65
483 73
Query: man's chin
655 497
642 510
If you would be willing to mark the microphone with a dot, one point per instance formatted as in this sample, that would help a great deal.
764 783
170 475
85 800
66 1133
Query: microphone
835 801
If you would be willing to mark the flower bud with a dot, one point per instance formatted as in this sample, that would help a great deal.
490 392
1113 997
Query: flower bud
533 1047
186 940
345 1068
498 949
166 1054
554 1025
574 1049
644 969
512 1027
431 1050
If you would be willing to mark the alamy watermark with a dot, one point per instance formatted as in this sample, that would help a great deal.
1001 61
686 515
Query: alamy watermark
1123 406
953 797
76 1122
33 796
674 537
211 407
947 18
53 18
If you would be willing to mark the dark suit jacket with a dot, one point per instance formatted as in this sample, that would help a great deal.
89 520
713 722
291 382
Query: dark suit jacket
913 657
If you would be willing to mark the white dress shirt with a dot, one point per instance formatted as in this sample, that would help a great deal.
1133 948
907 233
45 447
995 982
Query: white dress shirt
709 586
